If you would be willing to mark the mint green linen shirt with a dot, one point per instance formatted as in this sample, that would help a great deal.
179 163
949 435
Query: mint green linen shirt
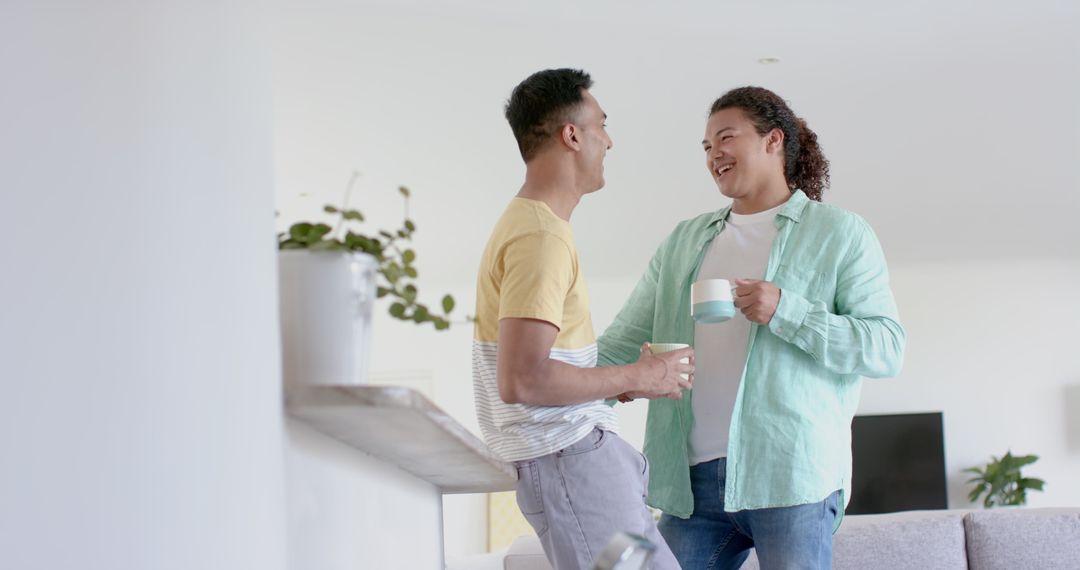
836 322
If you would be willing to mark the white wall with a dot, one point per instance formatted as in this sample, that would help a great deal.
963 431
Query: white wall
993 346
140 422
446 356
349 511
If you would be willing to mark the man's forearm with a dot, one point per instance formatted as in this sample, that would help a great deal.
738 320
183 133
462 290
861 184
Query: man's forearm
555 383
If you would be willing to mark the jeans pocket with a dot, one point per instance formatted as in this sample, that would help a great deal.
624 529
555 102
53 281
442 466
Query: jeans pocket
595 440
529 498
832 506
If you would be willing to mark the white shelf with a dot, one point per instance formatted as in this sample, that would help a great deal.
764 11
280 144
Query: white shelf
400 426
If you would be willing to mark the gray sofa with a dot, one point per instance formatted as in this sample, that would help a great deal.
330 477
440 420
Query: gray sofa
1001 539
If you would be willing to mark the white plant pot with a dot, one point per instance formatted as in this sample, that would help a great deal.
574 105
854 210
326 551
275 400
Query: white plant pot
326 299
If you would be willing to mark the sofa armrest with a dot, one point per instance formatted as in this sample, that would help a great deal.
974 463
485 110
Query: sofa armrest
1023 538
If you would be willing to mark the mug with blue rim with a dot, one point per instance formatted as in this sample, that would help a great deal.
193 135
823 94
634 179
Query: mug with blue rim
712 300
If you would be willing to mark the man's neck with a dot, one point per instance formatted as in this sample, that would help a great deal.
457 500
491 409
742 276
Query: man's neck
766 198
555 187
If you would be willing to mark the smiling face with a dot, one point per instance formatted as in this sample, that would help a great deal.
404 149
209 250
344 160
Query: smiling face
595 142
741 161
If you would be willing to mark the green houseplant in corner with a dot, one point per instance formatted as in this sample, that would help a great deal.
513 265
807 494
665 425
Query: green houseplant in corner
1002 481
328 281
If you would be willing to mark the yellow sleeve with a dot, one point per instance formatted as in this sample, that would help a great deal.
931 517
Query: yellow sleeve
538 271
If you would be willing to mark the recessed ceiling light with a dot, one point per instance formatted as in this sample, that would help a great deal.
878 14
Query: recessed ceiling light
768 60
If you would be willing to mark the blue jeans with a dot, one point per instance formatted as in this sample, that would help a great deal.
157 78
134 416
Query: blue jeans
785 537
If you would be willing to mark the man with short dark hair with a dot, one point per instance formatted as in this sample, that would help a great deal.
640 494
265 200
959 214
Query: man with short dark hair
539 397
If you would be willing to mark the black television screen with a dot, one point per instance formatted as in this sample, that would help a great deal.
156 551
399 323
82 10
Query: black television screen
898 463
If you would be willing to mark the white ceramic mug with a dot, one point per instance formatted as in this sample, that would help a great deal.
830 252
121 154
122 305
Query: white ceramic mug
661 347
712 300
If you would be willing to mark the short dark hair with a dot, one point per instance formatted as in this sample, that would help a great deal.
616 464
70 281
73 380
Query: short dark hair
539 105
805 165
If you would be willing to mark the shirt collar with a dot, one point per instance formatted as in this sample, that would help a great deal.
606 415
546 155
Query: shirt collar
792 210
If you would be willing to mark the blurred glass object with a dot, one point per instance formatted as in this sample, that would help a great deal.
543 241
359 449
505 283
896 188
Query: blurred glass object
625 551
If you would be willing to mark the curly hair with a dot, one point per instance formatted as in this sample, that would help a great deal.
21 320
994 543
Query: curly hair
805 165
540 102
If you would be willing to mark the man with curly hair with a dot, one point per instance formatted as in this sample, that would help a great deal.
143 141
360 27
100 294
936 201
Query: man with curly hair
760 455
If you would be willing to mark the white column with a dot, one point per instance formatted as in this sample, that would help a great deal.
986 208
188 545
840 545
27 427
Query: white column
140 413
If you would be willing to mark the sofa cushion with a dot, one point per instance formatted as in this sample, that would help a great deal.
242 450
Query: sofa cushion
1023 538
916 539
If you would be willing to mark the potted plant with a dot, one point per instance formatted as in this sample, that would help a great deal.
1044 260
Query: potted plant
329 278
1002 481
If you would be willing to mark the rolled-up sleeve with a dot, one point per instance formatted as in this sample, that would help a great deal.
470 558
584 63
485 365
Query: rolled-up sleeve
864 335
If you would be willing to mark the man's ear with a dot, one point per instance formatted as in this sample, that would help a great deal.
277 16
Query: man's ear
570 136
774 141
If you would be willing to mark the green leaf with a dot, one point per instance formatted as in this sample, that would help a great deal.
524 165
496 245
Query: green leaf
409 225
409 294
421 314
447 304
386 234
291 244
404 191
328 245
441 325
353 215
411 272
330 209
355 241
392 272
381 292
397 310
317 232
299 231
1032 483
409 256
1024 460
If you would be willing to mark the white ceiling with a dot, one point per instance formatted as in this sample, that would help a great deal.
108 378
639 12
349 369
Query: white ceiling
953 127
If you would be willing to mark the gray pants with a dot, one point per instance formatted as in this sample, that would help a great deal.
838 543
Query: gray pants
578 498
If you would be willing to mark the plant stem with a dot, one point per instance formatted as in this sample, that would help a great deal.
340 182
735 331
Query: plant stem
345 203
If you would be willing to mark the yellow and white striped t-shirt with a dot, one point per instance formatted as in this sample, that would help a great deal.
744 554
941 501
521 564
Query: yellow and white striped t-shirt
530 270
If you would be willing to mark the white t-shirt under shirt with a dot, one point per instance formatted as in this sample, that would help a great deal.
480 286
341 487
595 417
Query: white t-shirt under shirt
740 251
